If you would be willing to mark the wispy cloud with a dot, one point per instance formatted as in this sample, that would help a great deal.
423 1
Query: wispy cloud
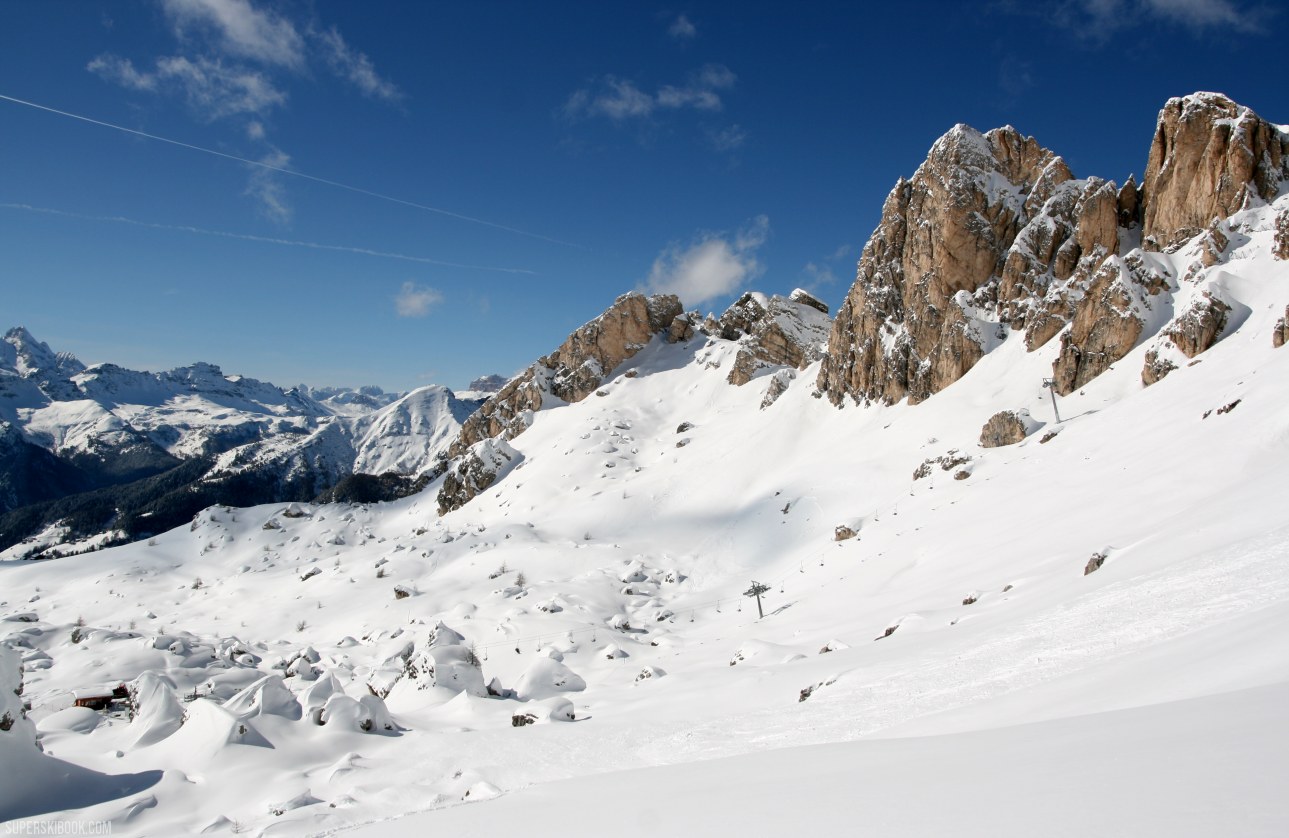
711 266
266 187
1096 21
291 172
415 300
122 71
212 89
817 274
1203 14
240 30
355 67
620 100
235 60
729 138
682 29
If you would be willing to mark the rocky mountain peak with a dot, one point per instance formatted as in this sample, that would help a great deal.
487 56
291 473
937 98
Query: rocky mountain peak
1210 157
487 384
984 234
994 233
571 373
28 357
773 331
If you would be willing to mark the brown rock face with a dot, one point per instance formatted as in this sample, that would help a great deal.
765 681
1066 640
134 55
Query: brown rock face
990 226
572 372
1003 428
577 368
994 233
1106 325
1058 253
1193 331
1155 368
590 353
474 472
1208 156
774 332
1199 327
1280 334
1129 201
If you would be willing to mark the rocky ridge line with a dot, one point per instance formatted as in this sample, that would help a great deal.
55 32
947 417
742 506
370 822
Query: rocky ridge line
993 233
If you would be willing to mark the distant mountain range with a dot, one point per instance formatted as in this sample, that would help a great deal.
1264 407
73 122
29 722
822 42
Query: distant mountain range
117 453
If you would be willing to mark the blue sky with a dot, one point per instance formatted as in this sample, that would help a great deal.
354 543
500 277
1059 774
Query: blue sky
447 189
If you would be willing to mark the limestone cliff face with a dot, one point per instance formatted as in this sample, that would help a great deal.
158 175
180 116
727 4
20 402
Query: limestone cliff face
577 368
1209 158
474 471
1195 330
992 230
1109 320
993 233
571 373
774 332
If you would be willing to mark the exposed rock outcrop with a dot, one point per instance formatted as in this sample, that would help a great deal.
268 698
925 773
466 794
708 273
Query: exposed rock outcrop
577 368
571 373
774 332
1281 250
1007 427
992 230
1109 320
1193 331
1209 157
475 471
1280 333
1199 327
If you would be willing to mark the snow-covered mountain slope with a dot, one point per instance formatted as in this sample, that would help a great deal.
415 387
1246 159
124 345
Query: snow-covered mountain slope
108 426
1087 629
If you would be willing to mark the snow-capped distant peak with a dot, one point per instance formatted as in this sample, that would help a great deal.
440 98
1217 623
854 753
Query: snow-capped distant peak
28 357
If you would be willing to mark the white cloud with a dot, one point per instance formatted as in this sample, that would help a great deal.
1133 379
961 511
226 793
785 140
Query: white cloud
216 90
618 99
121 71
816 275
355 67
715 77
267 188
255 130
1203 14
1099 20
241 29
416 300
233 57
729 138
212 88
712 266
688 97
621 99
682 29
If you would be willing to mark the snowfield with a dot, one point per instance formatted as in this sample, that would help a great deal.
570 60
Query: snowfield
571 653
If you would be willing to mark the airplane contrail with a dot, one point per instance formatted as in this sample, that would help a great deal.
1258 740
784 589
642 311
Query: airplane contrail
291 172
182 228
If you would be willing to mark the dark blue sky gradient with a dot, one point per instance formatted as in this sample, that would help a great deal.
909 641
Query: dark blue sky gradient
827 106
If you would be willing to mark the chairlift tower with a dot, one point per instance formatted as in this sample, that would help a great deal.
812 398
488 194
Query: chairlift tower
756 590
1050 384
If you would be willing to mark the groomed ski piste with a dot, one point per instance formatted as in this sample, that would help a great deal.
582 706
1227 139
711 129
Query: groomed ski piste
1085 632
